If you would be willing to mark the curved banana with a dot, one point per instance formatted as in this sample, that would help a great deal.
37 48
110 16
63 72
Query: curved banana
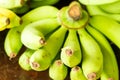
96 10
24 59
76 73
43 57
96 2
110 66
71 51
10 4
109 27
33 34
37 3
4 21
113 8
14 19
57 70
92 63
12 44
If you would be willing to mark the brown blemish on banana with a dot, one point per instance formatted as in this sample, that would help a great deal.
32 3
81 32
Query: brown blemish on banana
42 41
59 62
69 52
35 65
110 79
92 76
76 68
12 55
74 12
7 21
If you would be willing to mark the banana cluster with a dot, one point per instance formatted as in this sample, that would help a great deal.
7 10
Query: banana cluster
66 42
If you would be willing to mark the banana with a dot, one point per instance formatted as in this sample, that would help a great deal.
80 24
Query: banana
33 35
109 27
24 59
27 18
110 66
57 70
43 57
96 2
12 44
14 19
71 51
76 73
10 4
21 10
92 63
96 10
113 8
4 21
37 3
72 16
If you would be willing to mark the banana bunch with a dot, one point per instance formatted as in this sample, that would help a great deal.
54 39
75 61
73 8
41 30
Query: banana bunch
111 10
66 42
8 19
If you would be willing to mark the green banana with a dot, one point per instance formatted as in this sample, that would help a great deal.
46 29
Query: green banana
24 59
4 21
28 18
37 30
37 3
71 51
96 10
76 73
111 8
72 16
92 63
110 66
109 27
10 4
12 44
21 10
57 70
43 57
96 2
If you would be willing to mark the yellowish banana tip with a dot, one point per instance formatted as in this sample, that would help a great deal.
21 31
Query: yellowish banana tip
110 79
11 56
59 62
35 65
92 76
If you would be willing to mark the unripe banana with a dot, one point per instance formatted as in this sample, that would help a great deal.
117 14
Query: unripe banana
33 34
109 27
57 70
14 19
110 66
4 21
12 44
92 63
111 8
44 56
96 2
96 10
71 51
76 73
37 3
24 59
10 4
38 14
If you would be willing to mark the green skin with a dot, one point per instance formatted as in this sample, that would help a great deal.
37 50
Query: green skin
33 34
109 27
37 3
111 8
57 70
12 44
71 52
96 10
96 2
110 66
92 63
43 57
24 59
10 4
76 73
